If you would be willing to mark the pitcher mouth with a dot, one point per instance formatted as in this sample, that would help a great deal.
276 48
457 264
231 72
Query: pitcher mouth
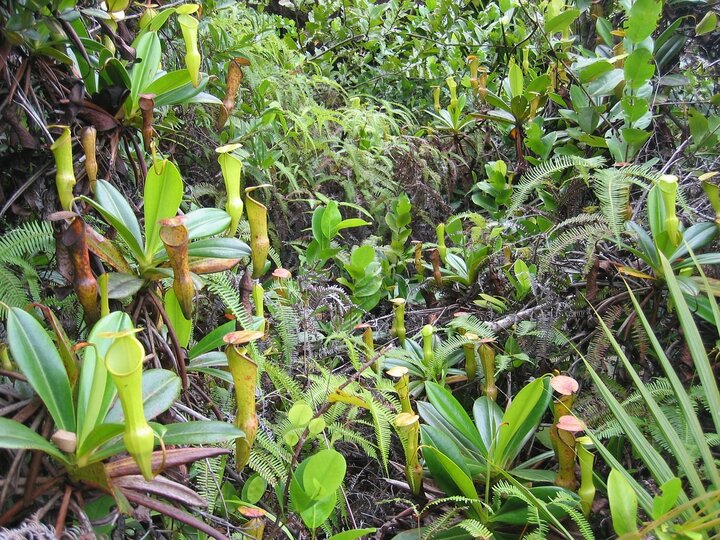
125 356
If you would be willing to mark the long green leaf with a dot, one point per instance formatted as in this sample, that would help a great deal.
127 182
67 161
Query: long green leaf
206 222
163 195
38 359
14 435
645 499
676 446
117 212
461 480
147 54
449 408
205 432
683 400
657 465
520 421
623 504
695 345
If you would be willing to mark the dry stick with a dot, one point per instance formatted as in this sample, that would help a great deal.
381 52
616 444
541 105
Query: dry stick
179 355
10 514
62 514
507 322
173 513
322 410
18 192
16 465
34 469
216 411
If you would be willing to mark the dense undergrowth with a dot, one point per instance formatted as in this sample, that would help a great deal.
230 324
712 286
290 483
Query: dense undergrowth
359 269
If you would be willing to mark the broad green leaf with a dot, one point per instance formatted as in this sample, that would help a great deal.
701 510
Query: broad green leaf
121 286
349 224
38 359
214 248
163 195
101 434
147 54
449 409
515 77
96 389
201 432
352 535
521 420
707 24
561 22
181 325
623 504
324 473
318 512
220 248
254 488
14 435
462 481
168 82
642 19
113 206
210 359
667 499
638 68
695 237
331 218
160 389
206 222
488 417
300 414
213 340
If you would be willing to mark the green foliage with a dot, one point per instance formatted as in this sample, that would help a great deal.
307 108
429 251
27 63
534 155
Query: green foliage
18 247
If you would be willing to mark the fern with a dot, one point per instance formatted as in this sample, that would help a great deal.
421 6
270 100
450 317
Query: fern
540 175
16 247
585 228
612 188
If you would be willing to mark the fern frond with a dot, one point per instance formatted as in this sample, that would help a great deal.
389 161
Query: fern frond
537 176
